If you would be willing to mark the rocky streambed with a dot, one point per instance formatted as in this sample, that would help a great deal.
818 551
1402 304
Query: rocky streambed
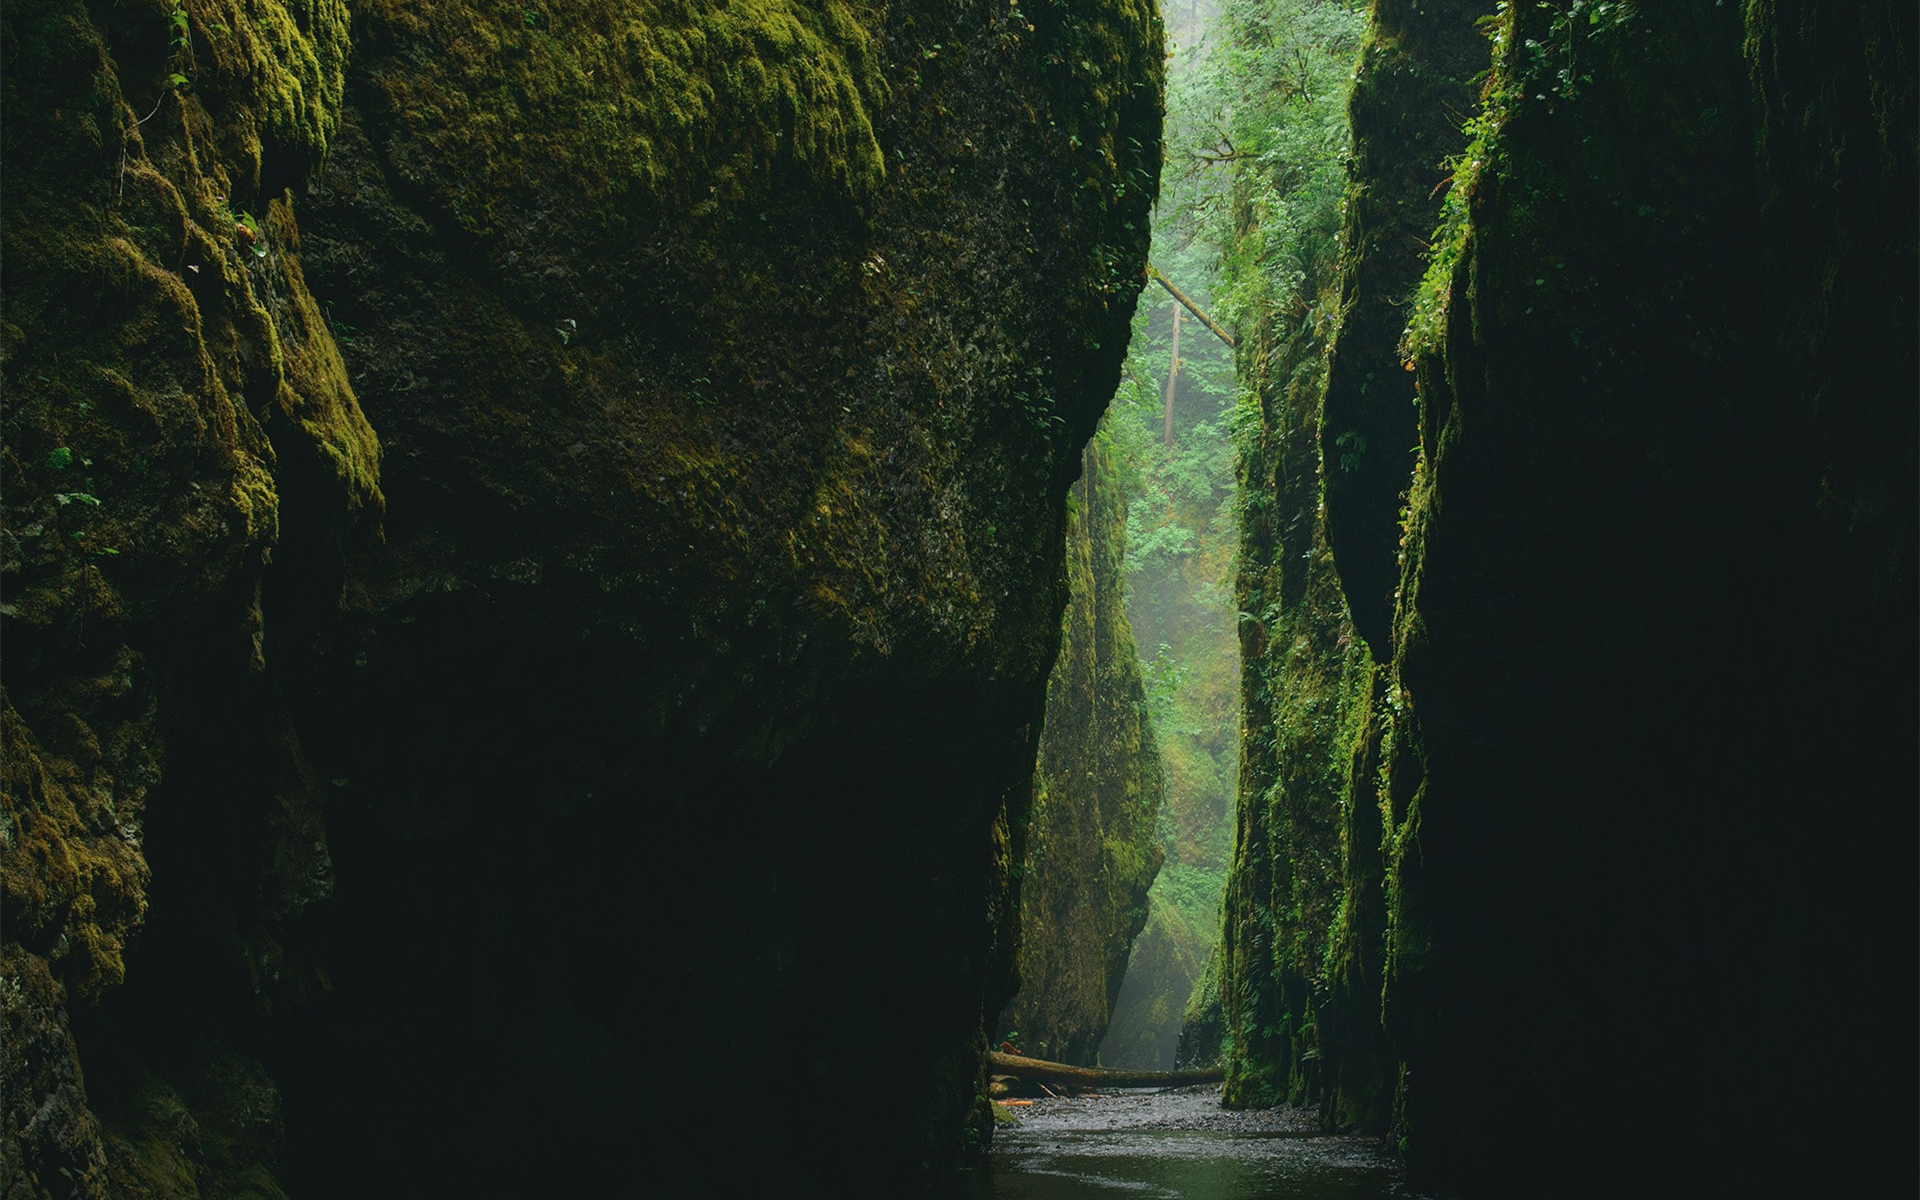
1173 1143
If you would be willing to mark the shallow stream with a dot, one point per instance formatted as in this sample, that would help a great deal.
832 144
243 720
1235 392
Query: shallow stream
1175 1143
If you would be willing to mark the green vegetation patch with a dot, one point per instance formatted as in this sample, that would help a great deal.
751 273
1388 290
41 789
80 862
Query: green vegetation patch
1262 185
612 108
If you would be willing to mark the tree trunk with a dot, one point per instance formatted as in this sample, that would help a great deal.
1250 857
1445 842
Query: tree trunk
1173 373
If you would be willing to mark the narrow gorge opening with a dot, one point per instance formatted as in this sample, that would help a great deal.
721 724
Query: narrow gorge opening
1138 758
1209 461
1157 511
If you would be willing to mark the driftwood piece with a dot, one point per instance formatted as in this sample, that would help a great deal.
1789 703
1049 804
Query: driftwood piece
1041 1071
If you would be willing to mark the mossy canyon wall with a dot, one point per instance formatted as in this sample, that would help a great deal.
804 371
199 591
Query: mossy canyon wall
1610 865
533 551
1092 846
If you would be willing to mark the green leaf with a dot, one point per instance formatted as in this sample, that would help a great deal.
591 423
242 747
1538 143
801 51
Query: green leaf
60 458
65 498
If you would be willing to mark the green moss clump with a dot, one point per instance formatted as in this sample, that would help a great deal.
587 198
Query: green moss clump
73 881
613 111
177 415
328 453
272 73
154 325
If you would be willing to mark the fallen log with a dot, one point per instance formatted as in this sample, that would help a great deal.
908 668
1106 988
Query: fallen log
1041 1071
1191 307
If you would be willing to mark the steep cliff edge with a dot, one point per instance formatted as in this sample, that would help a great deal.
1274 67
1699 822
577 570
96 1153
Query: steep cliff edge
730 366
1092 847
1643 754
1652 768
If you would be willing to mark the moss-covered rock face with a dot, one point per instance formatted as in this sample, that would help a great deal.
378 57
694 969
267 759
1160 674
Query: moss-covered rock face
1092 847
700 672
176 414
1301 922
1644 833
1299 972
1414 85
730 364
1667 404
1286 996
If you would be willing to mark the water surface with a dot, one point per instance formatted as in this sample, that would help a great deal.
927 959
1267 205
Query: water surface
1181 1143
